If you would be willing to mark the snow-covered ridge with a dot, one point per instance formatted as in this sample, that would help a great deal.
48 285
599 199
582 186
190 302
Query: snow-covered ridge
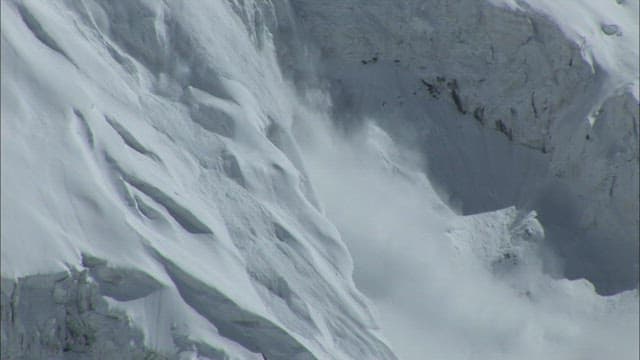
160 159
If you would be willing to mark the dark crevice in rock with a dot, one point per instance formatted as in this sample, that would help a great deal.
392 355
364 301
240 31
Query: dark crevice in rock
453 88
478 114
431 88
502 128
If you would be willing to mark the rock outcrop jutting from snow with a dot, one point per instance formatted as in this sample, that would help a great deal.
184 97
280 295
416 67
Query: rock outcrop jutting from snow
164 187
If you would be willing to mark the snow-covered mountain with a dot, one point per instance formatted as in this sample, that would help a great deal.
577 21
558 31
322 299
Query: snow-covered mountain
273 179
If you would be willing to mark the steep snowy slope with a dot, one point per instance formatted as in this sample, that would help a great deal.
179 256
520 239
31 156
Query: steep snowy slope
146 143
172 173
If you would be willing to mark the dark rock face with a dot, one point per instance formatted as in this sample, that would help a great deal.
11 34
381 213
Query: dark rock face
519 113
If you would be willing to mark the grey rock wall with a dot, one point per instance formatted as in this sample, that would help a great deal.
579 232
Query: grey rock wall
447 77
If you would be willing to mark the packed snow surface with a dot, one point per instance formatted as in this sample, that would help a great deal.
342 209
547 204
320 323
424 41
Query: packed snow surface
320 179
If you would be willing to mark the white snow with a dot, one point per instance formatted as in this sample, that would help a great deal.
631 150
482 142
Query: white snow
101 157
232 175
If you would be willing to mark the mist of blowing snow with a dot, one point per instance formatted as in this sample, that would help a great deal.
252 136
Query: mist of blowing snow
431 296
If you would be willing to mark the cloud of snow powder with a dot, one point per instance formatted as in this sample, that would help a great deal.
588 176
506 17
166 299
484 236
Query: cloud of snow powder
434 299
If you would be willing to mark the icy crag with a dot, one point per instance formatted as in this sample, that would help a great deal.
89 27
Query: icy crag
62 316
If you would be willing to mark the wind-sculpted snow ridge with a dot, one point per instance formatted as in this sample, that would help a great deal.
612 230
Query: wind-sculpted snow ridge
172 173
145 145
